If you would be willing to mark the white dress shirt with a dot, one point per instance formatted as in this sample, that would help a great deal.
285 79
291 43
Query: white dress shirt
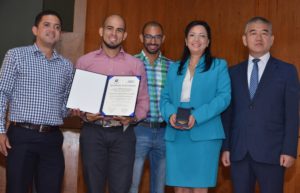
186 87
261 66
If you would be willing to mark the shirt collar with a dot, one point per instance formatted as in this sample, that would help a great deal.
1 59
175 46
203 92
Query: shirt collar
263 58
145 58
36 49
120 54
159 55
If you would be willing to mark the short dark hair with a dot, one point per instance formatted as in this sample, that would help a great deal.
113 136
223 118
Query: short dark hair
258 19
39 16
154 24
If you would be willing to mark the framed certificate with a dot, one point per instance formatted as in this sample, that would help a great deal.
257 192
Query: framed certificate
109 95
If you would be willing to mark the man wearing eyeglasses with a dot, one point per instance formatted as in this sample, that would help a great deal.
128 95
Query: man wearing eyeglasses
150 132
108 144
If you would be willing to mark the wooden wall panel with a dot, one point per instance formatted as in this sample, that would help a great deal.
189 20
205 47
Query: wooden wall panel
71 153
226 18
285 16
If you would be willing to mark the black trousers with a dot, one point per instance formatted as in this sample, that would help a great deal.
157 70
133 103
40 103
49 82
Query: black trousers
247 172
107 156
34 155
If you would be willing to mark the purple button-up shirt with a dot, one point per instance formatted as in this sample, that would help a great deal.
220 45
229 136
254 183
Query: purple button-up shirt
122 64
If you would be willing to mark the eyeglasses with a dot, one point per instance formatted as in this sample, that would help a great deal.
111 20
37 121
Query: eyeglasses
149 37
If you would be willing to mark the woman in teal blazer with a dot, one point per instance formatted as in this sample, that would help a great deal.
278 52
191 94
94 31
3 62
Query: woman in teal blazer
201 83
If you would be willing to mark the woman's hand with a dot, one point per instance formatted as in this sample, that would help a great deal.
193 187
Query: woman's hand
191 122
172 121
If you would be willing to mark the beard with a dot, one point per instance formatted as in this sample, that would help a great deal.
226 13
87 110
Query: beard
110 46
151 51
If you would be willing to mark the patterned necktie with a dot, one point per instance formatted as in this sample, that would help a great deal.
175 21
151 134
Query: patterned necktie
254 78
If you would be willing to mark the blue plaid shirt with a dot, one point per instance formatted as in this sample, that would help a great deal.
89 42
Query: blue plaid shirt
35 88
156 77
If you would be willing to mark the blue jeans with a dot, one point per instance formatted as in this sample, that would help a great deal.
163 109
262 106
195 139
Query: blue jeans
149 143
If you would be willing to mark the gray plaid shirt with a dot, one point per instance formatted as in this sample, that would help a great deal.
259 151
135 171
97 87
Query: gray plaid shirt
34 87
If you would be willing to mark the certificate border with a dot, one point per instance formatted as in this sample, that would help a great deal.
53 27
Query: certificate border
103 99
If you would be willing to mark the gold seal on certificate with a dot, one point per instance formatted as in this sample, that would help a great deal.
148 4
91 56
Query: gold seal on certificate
110 95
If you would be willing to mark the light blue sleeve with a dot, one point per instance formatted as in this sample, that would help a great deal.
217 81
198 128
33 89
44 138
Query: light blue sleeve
167 107
222 98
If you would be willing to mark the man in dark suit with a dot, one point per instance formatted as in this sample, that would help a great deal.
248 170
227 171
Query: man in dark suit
261 124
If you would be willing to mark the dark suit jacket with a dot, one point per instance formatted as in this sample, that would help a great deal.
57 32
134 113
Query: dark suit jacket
267 125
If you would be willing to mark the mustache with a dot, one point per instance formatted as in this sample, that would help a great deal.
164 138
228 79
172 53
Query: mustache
152 44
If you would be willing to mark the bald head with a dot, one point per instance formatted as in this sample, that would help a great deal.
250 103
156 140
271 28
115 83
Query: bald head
113 32
114 18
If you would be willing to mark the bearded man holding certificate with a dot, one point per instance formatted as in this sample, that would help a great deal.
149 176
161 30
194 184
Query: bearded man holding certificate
108 142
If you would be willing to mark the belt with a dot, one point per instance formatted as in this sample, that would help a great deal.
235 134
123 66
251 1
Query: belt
153 124
110 123
107 123
39 128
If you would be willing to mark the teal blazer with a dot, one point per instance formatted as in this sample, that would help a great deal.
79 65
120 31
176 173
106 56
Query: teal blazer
210 96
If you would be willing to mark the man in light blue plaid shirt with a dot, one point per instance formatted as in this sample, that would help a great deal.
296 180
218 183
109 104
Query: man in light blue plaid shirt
150 132
34 85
